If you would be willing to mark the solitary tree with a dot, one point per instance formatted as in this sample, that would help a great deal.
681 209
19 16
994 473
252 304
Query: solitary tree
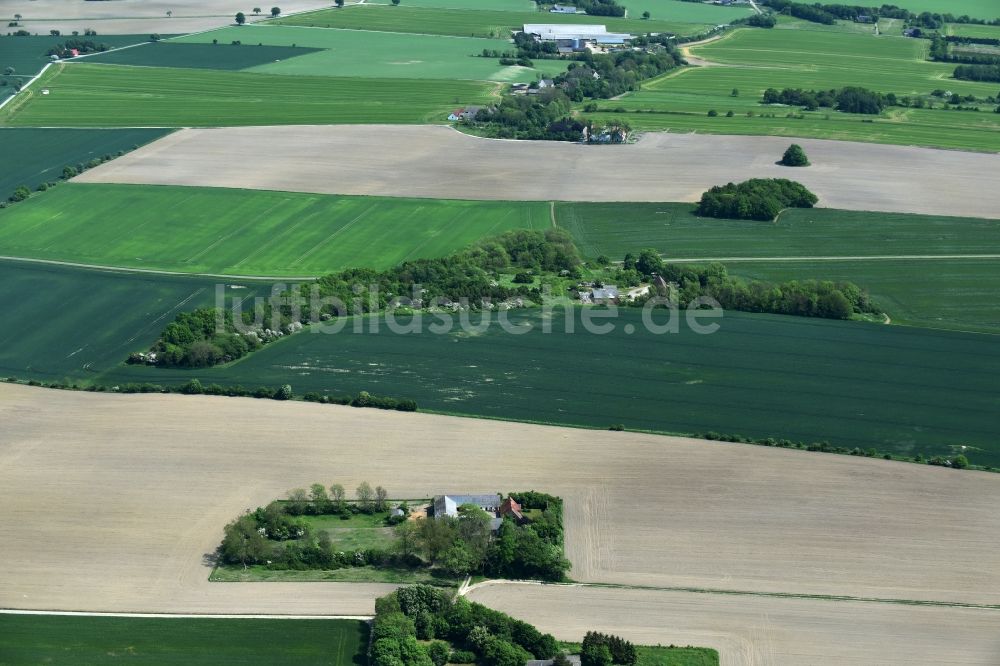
275 11
17 17
395 3
256 10
169 13
795 156
240 18
337 497
646 15
54 33
321 501
365 495
340 3
735 93
381 495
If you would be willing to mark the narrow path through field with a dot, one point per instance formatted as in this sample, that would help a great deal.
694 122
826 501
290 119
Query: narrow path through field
149 271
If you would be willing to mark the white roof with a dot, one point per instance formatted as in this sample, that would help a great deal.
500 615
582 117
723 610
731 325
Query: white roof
564 30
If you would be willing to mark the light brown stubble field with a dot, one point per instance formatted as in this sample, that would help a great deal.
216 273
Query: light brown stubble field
439 162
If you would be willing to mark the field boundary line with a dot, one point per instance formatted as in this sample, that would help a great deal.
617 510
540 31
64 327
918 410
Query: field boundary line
743 593
877 257
151 271
206 616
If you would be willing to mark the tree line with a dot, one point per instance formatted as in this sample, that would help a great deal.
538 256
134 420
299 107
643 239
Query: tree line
941 51
989 73
207 336
851 99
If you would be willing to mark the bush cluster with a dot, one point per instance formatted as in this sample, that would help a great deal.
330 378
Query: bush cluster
851 99
754 199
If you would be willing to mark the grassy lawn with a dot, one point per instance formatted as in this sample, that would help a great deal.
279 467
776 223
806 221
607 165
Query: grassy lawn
472 22
204 55
359 532
812 58
969 30
961 294
108 95
61 639
259 573
237 232
63 323
900 389
658 655
34 156
689 12
380 55
984 9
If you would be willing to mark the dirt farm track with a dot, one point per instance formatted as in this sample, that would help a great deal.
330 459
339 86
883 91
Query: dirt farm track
439 162
112 502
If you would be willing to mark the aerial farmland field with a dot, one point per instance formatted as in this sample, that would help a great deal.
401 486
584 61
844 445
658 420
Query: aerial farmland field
378 55
33 156
983 9
69 639
109 95
199 55
239 232
750 61
904 390
472 22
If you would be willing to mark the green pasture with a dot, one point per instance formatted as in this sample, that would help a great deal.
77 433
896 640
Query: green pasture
493 5
658 655
108 95
754 60
240 232
984 9
27 55
65 323
897 388
685 12
66 639
382 55
970 30
224 55
469 22
954 294
34 156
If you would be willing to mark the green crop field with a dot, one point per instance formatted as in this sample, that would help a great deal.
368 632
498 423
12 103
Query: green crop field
494 5
754 60
984 9
65 323
67 639
469 22
382 54
969 30
27 55
34 156
224 55
239 232
688 12
109 95
855 384
959 294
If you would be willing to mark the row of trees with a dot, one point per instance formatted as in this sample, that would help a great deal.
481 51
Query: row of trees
978 72
208 336
942 51
754 199
852 99
241 18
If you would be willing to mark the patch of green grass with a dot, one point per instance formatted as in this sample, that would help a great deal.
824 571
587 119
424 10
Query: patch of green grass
62 323
380 55
984 9
495 5
970 30
962 294
659 655
470 22
352 535
688 12
204 55
63 639
240 232
900 389
108 95
259 573
34 156
754 60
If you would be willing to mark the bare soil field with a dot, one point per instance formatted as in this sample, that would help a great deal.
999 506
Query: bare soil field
111 502
758 631
439 162
129 17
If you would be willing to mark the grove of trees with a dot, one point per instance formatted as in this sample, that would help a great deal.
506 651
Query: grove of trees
754 199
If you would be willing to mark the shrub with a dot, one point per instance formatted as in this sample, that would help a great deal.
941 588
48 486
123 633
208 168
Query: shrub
20 194
795 156
712 113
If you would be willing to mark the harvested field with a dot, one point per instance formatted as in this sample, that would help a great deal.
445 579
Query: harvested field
755 631
76 475
353 160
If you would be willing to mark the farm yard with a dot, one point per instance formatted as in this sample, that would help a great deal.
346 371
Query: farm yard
745 518
422 163
238 232
114 96
759 375
354 53
73 639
